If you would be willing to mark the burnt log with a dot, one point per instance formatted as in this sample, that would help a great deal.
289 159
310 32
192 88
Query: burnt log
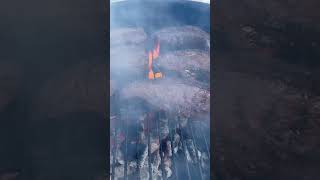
183 37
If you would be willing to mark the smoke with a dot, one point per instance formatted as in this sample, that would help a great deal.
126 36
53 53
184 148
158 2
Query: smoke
132 25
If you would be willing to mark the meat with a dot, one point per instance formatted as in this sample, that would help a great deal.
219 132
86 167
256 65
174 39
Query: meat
184 59
127 62
193 65
183 37
170 95
127 36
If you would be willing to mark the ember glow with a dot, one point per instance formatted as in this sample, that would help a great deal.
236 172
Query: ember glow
153 55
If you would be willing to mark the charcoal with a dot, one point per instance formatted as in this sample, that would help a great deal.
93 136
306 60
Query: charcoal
119 157
183 121
188 156
167 172
168 149
154 144
127 36
204 157
164 128
170 95
142 154
191 150
131 168
176 142
183 37
144 173
167 155
155 164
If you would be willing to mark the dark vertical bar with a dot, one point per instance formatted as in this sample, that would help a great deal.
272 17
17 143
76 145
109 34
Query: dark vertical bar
172 149
149 148
137 150
160 147
114 153
115 133
184 149
126 148
106 20
205 139
196 148
213 115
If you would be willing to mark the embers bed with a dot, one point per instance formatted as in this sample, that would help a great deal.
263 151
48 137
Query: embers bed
160 96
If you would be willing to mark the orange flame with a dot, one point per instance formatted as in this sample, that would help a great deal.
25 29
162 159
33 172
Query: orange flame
151 74
153 55
156 51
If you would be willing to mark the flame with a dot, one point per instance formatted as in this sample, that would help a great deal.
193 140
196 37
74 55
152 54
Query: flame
156 51
153 55
151 74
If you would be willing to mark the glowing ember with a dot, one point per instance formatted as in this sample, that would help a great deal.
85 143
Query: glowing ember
153 55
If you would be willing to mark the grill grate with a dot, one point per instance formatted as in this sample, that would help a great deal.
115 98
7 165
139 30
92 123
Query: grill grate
182 165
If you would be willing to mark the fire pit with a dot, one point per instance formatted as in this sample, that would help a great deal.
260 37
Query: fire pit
160 100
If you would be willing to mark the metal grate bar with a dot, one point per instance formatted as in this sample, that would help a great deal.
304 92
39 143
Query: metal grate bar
196 148
114 153
137 159
160 148
172 149
184 149
149 148
126 148
205 139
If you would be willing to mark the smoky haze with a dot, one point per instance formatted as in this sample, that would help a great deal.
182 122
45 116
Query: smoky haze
183 30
